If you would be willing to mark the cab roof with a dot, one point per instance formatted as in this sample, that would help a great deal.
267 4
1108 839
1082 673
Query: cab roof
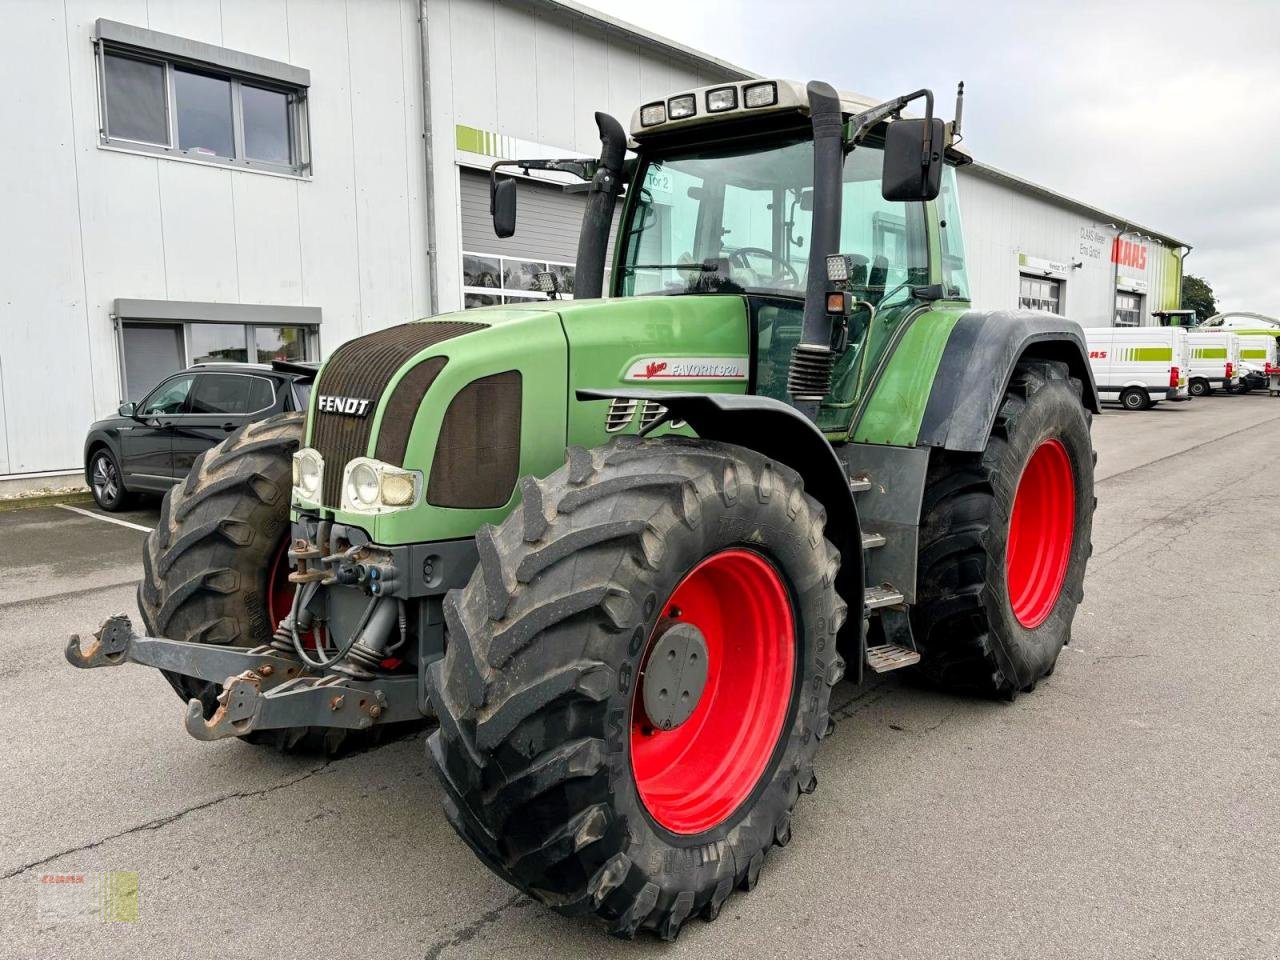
790 96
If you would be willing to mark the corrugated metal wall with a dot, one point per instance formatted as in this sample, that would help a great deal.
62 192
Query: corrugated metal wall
547 221
507 69
1002 223
84 225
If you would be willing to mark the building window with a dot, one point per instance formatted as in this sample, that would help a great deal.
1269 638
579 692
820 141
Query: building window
1128 309
1040 293
159 102
152 350
489 279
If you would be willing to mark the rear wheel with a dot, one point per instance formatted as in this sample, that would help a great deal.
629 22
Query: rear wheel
1004 540
1199 387
1135 399
636 679
215 569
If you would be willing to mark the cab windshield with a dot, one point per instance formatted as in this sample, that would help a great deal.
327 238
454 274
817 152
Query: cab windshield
737 220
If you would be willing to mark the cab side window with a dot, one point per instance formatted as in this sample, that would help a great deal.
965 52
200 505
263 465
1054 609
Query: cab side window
168 398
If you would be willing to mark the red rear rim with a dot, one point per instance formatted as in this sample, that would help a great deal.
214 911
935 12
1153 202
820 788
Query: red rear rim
1040 534
279 589
694 777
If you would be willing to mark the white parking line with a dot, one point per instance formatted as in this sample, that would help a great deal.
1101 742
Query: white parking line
98 516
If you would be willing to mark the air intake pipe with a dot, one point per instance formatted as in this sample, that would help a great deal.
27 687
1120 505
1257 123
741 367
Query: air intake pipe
597 219
812 360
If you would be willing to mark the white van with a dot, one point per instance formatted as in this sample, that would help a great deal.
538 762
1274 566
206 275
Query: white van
1139 366
1215 361
1257 356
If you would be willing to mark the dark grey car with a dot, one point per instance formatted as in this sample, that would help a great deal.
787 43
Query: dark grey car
150 445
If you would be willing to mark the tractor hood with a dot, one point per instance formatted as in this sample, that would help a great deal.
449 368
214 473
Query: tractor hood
472 401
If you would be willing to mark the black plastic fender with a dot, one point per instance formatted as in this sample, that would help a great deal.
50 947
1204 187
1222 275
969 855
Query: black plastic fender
978 363
782 433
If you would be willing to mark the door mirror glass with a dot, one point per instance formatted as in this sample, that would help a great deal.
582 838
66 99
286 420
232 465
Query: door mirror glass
502 205
126 409
912 172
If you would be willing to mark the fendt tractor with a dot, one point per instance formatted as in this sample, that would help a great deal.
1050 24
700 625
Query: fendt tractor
622 546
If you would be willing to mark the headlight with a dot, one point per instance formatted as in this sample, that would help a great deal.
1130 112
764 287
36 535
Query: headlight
371 486
308 473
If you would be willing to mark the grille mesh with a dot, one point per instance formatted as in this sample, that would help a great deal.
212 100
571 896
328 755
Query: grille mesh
362 368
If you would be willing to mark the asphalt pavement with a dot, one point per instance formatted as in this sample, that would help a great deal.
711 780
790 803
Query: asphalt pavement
1129 807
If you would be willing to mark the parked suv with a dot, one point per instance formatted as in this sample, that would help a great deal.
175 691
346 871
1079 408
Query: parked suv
150 445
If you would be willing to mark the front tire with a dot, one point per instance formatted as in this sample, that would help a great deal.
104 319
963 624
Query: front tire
106 482
555 770
1004 541
214 568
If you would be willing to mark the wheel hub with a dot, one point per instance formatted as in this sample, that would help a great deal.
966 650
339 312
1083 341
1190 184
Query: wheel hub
676 676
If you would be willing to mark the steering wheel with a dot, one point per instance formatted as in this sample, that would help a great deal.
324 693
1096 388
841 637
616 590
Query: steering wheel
781 268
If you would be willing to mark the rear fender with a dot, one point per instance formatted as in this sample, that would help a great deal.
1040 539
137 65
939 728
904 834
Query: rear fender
978 363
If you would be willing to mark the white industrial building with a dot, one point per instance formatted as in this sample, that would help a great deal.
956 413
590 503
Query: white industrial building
249 179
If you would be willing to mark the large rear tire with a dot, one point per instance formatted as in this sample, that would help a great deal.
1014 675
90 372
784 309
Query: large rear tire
214 569
555 770
1004 540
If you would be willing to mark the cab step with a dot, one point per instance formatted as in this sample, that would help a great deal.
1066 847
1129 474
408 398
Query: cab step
890 656
876 598
860 484
870 540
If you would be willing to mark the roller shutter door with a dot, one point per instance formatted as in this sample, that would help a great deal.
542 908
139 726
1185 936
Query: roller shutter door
547 223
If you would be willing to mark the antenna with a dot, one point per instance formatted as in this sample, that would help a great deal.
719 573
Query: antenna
955 124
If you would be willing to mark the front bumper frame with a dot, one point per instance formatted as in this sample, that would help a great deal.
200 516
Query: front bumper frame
263 689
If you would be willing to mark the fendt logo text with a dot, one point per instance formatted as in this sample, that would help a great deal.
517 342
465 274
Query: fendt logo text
348 406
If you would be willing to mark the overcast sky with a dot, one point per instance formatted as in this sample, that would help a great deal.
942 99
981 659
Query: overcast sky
1160 112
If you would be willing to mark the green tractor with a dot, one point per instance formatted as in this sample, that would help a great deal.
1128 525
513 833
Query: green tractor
623 546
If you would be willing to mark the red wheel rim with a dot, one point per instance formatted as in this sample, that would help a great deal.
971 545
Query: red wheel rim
1040 534
279 589
694 777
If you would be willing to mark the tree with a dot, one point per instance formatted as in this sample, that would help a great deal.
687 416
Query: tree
1197 295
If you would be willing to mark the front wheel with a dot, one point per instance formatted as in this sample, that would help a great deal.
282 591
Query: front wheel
106 482
1004 540
636 679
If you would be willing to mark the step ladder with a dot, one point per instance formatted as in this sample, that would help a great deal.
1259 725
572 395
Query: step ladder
888 603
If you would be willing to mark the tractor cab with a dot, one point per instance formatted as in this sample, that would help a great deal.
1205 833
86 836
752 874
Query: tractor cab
833 219
1176 318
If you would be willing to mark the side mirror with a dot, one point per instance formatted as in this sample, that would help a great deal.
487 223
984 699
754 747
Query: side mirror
913 171
128 410
502 205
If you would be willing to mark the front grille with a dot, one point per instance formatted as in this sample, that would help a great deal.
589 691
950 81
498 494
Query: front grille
362 368
478 452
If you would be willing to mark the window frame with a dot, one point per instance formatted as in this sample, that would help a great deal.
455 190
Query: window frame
184 374
297 113
1136 311
508 295
1040 278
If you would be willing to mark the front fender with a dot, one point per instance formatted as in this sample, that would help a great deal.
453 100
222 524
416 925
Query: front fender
978 363
782 433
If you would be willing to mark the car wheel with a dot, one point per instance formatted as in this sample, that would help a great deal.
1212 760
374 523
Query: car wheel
1199 388
1135 399
106 483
